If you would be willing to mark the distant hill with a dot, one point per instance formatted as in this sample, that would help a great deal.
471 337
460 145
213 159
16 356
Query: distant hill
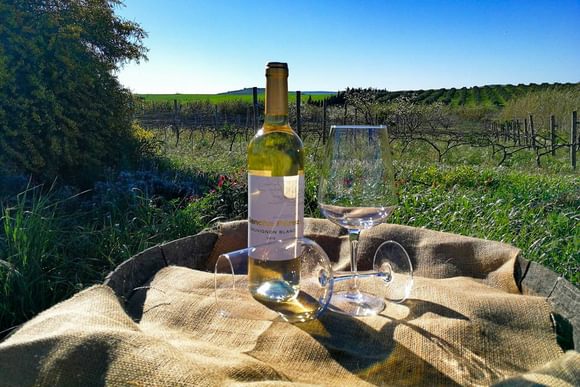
244 91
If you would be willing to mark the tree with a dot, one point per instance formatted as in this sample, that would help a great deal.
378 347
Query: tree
364 101
63 112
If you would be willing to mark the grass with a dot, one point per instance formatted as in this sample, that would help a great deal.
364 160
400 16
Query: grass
55 241
29 236
536 210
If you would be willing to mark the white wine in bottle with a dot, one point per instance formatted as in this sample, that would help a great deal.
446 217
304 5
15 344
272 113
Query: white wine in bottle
275 194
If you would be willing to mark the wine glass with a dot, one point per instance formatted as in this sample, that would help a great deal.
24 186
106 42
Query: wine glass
357 192
311 272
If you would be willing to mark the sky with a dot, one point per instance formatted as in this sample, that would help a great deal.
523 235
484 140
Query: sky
215 46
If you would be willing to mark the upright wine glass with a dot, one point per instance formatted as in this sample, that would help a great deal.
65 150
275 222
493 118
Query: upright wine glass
357 192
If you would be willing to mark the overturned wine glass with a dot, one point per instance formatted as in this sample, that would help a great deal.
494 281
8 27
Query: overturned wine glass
309 276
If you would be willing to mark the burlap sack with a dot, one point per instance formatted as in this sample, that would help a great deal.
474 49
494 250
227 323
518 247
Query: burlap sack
155 324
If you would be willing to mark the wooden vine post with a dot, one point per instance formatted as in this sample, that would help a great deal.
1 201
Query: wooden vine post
247 125
553 134
532 133
215 117
573 139
298 121
175 125
526 133
255 106
324 121
506 131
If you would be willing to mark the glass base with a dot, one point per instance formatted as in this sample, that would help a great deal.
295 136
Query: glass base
356 303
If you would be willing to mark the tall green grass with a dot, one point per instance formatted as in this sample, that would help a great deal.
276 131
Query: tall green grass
537 213
54 243
35 271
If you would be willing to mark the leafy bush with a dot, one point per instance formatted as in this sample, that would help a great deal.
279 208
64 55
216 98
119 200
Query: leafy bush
62 111
148 146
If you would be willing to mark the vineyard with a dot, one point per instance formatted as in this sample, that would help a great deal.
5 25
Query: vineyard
488 96
508 119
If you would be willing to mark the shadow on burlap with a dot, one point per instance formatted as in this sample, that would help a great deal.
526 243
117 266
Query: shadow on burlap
466 323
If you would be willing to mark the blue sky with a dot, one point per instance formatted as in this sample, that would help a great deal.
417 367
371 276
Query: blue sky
214 46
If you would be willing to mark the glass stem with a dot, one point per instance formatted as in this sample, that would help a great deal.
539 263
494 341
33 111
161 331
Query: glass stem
339 276
353 235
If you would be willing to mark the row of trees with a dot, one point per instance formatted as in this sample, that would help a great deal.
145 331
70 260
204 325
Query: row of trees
488 96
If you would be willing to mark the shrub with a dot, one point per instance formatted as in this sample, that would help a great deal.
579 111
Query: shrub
62 111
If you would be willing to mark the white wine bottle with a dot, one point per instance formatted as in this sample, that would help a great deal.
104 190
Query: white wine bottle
275 194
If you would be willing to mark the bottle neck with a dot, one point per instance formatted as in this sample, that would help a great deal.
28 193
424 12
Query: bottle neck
276 109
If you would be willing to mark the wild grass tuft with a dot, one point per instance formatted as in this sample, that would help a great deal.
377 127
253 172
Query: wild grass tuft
34 269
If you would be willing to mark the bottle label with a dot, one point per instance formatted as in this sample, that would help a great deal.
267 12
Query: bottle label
275 210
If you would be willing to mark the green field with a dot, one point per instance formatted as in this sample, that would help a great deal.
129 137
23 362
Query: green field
220 98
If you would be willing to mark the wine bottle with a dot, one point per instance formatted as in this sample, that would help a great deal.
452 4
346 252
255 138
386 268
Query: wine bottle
275 194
